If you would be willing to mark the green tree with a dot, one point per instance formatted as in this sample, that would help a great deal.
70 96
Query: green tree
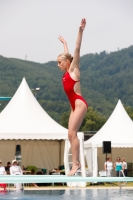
105 78
129 111
65 118
93 120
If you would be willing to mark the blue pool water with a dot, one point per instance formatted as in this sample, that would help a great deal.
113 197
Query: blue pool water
77 194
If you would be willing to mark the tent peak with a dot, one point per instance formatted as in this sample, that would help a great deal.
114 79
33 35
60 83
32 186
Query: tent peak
118 128
24 79
24 118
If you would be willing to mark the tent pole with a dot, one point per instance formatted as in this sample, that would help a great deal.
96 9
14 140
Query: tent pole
60 152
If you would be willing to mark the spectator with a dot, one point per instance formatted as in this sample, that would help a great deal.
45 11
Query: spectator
118 167
24 168
124 166
2 172
108 166
33 173
16 170
7 168
40 173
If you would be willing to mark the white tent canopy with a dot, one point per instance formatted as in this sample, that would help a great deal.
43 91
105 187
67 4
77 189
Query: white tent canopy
25 123
24 118
118 129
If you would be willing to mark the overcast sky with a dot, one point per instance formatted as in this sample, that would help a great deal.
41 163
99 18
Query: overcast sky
29 29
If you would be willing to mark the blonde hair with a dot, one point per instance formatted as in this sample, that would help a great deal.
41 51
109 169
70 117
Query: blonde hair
66 56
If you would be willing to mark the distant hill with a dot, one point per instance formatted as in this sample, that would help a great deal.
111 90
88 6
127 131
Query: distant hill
105 78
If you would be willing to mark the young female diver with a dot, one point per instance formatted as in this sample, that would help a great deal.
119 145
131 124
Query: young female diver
71 83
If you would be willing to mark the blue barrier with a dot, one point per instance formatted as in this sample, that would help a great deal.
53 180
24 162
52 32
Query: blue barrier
59 179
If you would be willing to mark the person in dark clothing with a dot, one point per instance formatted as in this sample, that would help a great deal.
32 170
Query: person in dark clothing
7 168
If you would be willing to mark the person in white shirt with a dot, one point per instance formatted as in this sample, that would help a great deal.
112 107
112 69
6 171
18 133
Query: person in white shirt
124 166
108 166
2 172
16 170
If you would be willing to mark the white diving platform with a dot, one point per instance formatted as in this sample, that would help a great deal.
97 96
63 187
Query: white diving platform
59 179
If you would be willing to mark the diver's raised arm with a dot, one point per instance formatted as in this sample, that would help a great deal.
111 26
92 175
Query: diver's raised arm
64 44
76 57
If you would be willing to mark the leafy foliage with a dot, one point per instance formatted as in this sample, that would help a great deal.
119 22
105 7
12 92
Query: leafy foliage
105 78
93 120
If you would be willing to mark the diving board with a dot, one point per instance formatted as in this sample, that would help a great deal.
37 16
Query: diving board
59 179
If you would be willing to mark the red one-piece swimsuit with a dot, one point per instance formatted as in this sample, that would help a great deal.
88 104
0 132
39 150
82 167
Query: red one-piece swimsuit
68 84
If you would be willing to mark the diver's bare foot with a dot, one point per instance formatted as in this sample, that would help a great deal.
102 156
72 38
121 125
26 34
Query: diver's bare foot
75 167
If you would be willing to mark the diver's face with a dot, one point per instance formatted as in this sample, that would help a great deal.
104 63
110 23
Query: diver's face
63 64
